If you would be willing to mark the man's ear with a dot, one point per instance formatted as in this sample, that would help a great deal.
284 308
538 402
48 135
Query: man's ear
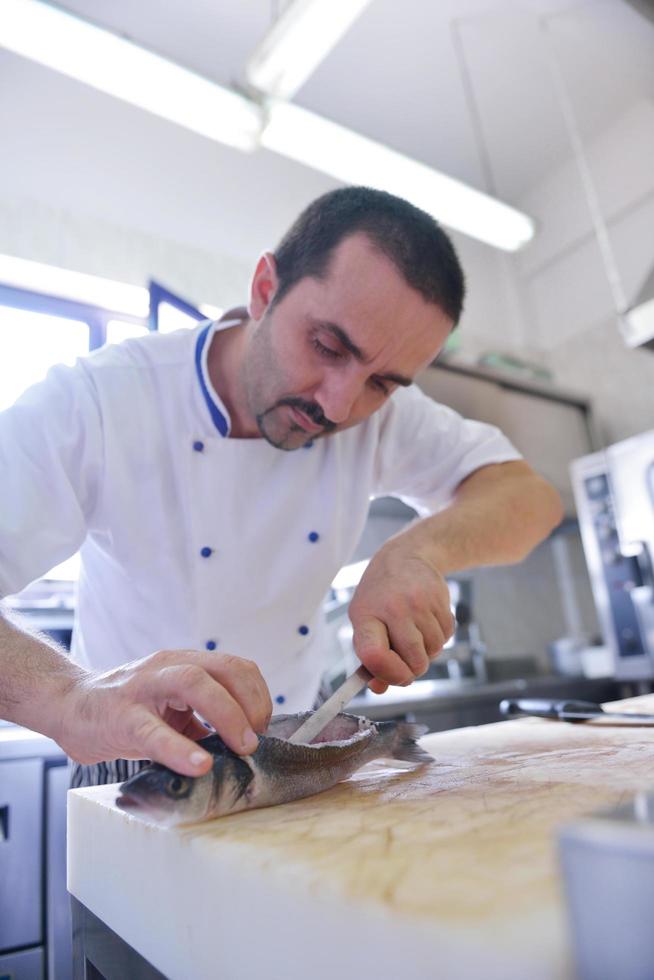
263 287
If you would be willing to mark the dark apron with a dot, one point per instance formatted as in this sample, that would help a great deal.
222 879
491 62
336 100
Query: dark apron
101 773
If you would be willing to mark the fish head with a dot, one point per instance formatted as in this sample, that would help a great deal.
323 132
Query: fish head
160 794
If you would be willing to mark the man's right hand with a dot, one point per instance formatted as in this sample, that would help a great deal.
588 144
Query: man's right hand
145 709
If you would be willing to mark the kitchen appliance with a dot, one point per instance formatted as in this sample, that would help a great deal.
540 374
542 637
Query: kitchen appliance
607 860
614 493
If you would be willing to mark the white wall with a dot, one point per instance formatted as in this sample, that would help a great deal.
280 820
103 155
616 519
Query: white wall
571 311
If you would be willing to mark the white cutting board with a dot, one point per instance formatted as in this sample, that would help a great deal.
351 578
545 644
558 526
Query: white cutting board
447 872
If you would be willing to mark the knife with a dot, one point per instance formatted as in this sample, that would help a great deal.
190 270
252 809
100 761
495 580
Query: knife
334 704
568 710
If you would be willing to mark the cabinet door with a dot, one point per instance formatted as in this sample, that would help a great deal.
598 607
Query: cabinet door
21 825
24 965
474 398
549 434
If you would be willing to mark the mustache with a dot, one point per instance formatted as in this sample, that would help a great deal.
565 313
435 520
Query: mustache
312 410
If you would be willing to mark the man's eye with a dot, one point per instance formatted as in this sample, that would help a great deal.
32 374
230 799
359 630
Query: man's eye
325 351
380 386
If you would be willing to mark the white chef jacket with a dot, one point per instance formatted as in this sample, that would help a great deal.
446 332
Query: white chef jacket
190 538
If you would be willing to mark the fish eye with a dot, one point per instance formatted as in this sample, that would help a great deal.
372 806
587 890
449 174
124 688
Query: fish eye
177 786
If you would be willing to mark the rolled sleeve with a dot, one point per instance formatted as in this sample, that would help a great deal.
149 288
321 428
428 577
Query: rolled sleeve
50 468
426 449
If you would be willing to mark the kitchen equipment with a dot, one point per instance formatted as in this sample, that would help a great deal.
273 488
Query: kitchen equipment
614 493
569 711
608 869
35 940
332 706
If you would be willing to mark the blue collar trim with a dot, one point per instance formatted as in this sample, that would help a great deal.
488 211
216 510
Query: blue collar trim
217 416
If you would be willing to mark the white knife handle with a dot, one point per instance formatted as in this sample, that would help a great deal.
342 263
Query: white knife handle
322 716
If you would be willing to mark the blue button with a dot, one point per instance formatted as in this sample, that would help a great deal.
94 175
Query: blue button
198 446
206 552
313 536
210 644
308 445
303 630
280 699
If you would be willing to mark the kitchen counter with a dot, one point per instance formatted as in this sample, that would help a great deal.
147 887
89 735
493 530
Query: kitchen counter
428 697
449 871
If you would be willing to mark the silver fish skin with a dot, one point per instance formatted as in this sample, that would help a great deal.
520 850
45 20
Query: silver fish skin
277 772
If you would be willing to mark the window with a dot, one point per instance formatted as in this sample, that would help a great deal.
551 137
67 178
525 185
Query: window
30 343
38 330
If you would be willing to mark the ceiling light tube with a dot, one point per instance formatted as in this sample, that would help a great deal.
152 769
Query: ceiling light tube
127 71
301 37
316 142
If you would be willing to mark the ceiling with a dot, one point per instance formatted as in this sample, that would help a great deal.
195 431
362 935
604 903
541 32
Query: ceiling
462 85
400 73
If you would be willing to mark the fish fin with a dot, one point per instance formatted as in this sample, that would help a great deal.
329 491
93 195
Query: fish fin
402 742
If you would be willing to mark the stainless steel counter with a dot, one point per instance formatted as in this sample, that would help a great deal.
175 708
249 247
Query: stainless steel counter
446 704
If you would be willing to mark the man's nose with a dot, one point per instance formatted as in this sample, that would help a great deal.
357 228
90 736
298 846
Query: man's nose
337 396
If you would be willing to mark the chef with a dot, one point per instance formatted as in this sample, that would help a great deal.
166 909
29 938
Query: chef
216 479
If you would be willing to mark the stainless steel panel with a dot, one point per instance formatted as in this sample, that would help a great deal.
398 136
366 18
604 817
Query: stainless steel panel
21 808
25 965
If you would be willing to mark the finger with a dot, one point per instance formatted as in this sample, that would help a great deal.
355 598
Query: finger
432 635
409 644
445 617
377 686
211 700
372 647
244 681
153 739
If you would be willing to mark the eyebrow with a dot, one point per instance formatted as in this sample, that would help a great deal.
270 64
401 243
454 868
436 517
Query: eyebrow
357 353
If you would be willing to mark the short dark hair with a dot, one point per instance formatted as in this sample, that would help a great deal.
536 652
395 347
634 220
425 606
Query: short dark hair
409 237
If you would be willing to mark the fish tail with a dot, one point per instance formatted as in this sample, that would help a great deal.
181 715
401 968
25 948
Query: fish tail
401 742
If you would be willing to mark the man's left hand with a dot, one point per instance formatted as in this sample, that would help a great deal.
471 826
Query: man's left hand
400 613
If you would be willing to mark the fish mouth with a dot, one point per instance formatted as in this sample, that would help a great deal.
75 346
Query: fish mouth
127 802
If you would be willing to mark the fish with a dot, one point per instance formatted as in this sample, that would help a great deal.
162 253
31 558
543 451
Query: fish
277 772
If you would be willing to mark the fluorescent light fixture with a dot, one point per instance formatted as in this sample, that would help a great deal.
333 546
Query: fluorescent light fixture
297 42
120 68
316 142
119 297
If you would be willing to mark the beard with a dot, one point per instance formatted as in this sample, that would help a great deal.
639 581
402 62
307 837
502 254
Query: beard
289 436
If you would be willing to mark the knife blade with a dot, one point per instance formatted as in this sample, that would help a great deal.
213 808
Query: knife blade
334 704
568 711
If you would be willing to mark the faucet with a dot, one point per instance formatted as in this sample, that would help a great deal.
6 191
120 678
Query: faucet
468 636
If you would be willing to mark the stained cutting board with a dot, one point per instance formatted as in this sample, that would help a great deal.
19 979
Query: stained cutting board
447 872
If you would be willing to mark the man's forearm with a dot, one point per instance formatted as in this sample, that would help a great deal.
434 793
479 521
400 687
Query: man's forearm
35 676
499 514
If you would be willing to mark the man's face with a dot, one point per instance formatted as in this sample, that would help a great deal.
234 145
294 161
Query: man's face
333 350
